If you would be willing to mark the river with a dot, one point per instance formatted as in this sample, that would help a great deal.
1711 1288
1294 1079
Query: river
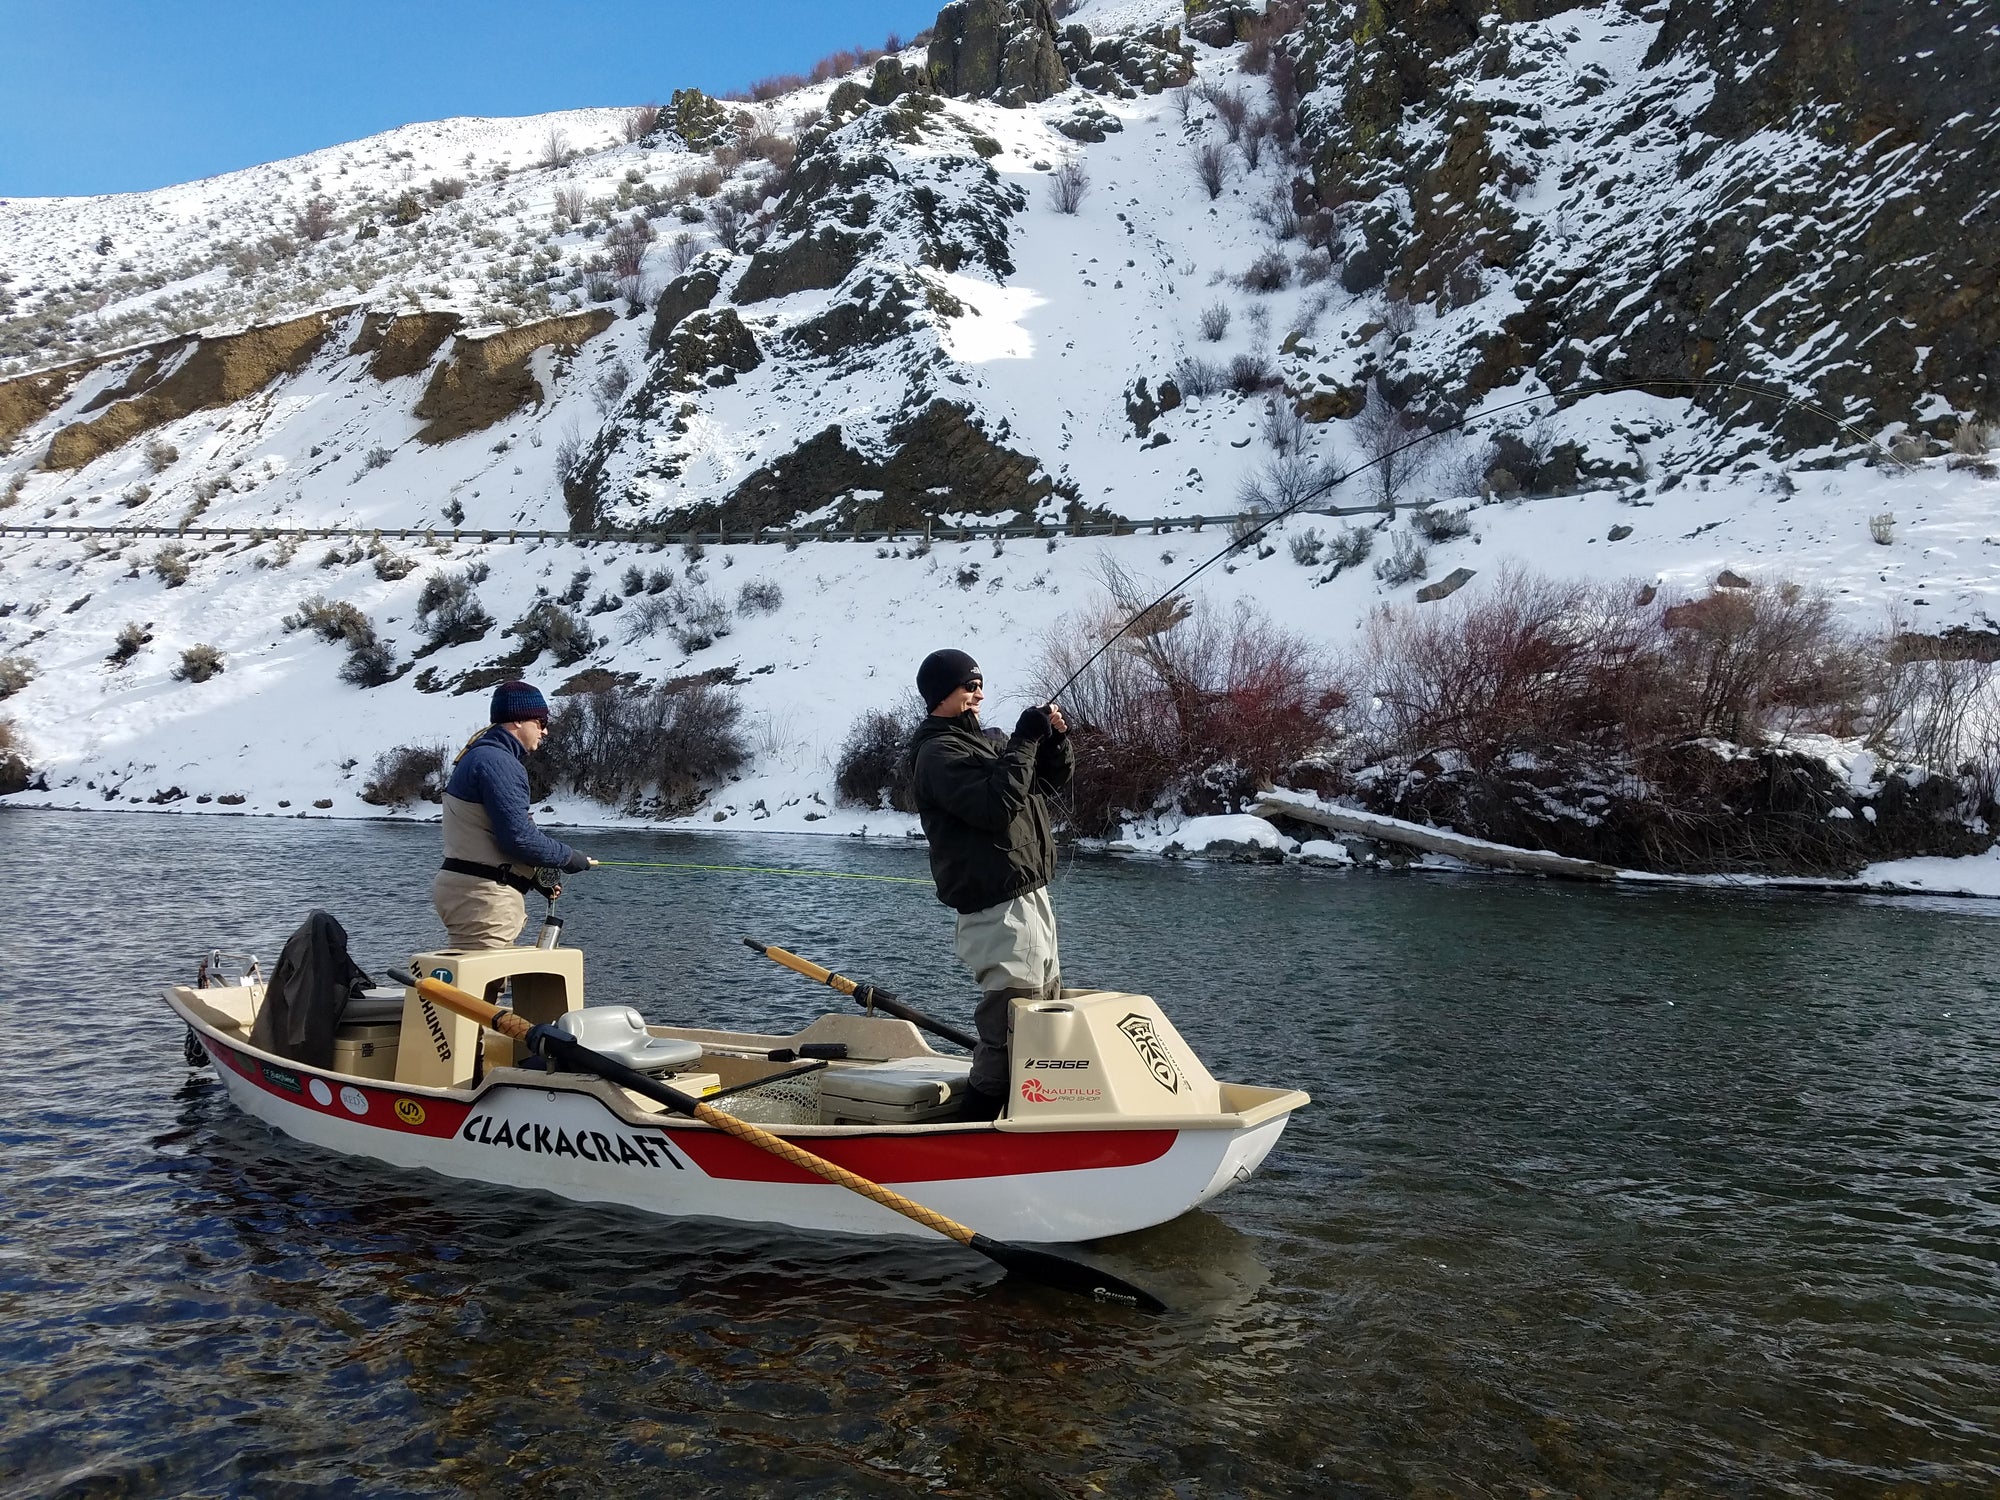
1602 1193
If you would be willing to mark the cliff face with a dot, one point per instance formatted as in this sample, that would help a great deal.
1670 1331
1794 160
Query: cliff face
1795 193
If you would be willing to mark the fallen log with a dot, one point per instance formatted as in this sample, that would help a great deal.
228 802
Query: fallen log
1432 840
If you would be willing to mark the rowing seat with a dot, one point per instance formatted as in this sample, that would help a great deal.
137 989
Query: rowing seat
619 1031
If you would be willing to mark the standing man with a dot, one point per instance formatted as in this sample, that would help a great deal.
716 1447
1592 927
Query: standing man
992 851
491 845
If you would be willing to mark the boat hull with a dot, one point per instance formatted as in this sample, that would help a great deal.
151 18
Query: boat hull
565 1135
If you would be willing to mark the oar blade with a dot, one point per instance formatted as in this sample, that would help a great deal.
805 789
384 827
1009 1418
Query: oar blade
1067 1275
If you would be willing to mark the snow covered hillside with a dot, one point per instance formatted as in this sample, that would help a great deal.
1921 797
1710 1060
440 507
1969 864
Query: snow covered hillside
1129 263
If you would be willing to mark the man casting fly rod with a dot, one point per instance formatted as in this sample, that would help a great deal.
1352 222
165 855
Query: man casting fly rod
992 851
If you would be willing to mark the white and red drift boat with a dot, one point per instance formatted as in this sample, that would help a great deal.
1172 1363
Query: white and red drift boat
1112 1123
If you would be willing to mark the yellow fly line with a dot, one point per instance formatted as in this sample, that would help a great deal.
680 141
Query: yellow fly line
642 864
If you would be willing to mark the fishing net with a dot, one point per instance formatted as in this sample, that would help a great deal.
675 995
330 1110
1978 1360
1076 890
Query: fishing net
784 1101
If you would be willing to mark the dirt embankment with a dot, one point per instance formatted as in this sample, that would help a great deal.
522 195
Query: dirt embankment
218 372
26 399
487 379
403 345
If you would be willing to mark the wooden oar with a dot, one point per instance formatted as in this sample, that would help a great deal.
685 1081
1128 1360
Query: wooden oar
1039 1265
866 994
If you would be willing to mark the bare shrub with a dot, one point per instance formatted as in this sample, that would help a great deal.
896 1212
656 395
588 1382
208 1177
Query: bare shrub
1256 56
170 565
1386 436
610 386
682 251
727 218
1214 321
1211 167
1939 707
1766 658
1279 212
569 455
641 122
1435 524
571 202
1285 430
1231 108
16 672
1067 187
447 189
449 612
370 662
315 221
555 149
1189 707
1974 439
329 619
648 617
161 455
873 769
1307 547
1350 548
759 596
391 565
1252 143
131 639
1251 373
700 620
1407 561
377 457
1882 528
1199 377
1269 272
549 627
652 750
407 774
199 662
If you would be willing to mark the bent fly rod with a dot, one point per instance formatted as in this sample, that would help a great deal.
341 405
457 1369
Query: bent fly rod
1333 481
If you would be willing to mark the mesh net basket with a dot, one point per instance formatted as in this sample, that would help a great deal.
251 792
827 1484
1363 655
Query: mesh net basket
787 1101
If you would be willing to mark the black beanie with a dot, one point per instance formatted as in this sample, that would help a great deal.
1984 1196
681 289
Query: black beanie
944 673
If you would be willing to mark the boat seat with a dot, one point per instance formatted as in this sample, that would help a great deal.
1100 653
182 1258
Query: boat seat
620 1031
381 1006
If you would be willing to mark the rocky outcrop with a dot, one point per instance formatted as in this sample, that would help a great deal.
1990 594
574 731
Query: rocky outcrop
403 345
709 349
1144 63
702 123
684 294
487 379
811 262
216 372
1003 50
940 461
1820 224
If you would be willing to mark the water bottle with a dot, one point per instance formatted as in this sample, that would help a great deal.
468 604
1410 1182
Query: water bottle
551 933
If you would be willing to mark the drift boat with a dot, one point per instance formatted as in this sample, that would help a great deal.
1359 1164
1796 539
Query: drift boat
1113 1124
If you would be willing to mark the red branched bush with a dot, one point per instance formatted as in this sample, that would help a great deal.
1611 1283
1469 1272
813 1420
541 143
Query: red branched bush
1188 707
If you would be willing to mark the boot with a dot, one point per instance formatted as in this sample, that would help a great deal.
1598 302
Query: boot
980 1105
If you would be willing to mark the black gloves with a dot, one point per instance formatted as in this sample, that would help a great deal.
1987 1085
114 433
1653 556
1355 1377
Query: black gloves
577 862
1034 725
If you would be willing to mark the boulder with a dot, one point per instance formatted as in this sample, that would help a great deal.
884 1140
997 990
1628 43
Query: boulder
1004 50
684 295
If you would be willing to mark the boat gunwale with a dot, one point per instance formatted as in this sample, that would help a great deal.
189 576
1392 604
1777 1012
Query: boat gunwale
628 1109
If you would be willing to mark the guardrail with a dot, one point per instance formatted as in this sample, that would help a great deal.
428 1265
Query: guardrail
663 536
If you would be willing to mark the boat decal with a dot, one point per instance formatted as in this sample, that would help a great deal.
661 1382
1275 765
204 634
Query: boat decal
1159 1062
388 1109
625 1148
1035 1091
941 1157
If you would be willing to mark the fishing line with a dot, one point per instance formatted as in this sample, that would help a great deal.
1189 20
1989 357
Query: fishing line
1327 485
643 864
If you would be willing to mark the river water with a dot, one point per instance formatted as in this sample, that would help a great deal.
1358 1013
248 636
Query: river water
1602 1193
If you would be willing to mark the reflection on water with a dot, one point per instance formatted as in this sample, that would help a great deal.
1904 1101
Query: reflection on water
1602 1193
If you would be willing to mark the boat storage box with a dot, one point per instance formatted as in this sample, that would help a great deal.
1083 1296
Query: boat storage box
367 1051
902 1091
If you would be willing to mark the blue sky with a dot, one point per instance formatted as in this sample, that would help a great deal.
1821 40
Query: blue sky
105 96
